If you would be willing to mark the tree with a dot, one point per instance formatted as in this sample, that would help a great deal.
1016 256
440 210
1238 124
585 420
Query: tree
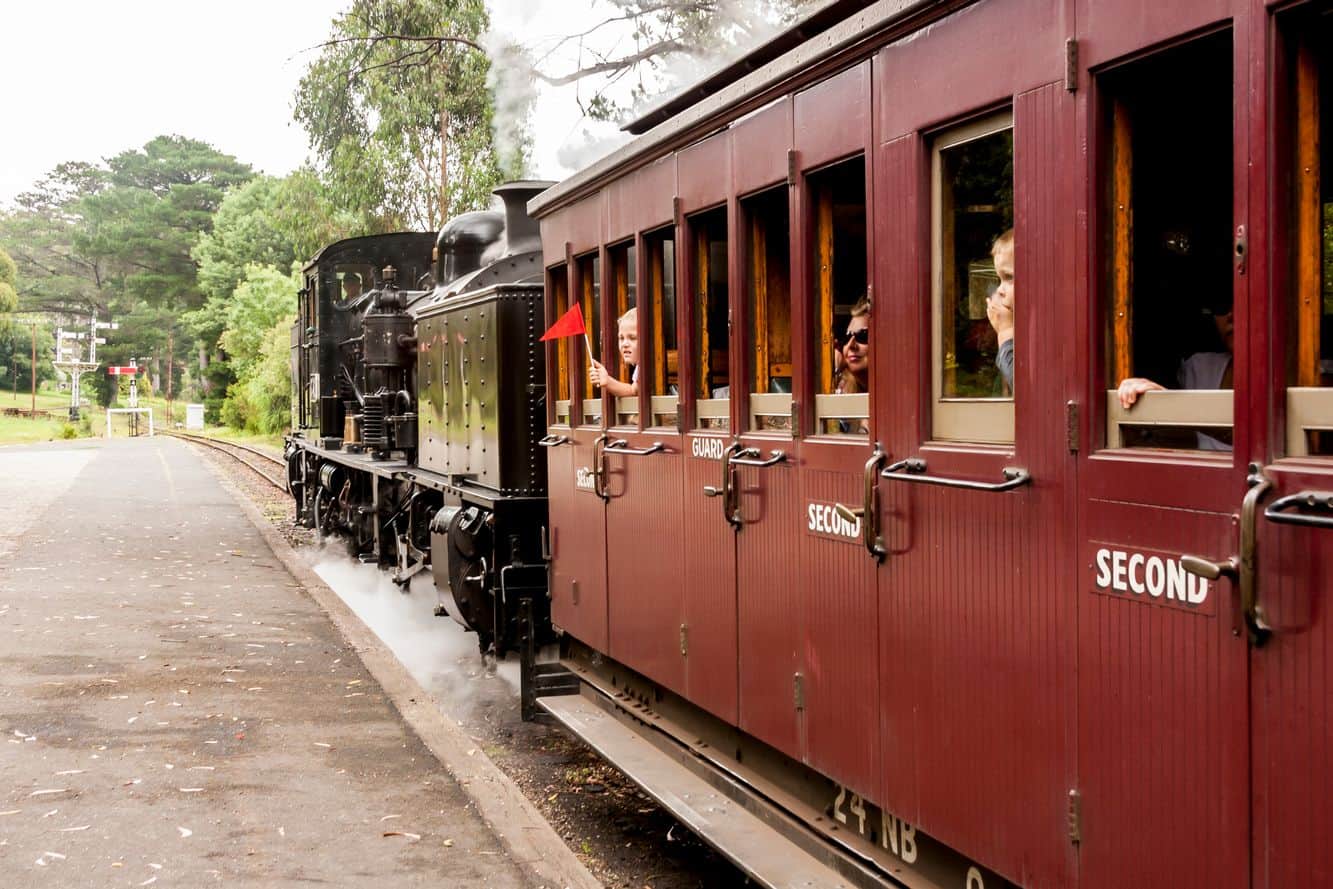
398 112
145 222
57 277
645 37
9 272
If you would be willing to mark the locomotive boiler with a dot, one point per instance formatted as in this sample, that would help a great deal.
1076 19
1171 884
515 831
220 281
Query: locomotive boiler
418 406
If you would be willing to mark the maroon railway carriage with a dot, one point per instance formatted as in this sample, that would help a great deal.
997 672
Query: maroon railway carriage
945 626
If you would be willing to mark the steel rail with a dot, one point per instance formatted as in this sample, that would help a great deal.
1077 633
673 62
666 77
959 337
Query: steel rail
230 449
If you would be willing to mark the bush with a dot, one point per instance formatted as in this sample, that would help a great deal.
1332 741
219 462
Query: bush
67 430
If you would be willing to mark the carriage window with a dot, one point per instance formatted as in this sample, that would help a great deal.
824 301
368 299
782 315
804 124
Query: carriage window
1310 360
623 364
712 384
659 328
973 317
558 287
1167 194
768 306
589 270
842 346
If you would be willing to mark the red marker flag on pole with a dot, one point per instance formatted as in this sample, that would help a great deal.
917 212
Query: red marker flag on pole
568 324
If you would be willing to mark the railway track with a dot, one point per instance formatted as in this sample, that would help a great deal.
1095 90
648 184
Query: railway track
244 454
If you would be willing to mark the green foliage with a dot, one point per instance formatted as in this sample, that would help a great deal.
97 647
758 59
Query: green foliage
265 296
261 398
144 224
245 231
9 273
394 77
40 233
16 348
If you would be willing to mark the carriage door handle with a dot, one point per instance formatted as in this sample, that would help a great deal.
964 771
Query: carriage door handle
599 465
725 490
868 514
1242 569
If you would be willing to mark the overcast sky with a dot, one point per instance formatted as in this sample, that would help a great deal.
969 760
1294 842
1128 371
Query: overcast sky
87 79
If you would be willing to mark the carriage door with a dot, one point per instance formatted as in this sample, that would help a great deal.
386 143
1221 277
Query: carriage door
1286 601
573 444
768 610
643 462
1162 791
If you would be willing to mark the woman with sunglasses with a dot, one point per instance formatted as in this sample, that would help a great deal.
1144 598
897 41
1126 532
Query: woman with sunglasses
854 375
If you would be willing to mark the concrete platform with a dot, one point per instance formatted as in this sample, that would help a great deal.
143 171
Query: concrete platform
175 710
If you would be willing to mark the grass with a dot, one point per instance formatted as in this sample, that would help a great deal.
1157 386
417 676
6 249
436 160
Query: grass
26 430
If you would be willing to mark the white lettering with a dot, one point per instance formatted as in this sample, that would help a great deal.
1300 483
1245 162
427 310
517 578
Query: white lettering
1175 581
974 880
1135 561
821 523
823 518
899 837
1197 596
584 479
1103 568
1156 577
811 511
1118 571
710 448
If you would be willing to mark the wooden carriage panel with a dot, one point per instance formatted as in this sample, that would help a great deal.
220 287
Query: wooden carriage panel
642 200
1162 701
759 146
578 540
1291 700
768 609
991 51
644 584
703 173
839 620
977 625
708 572
1108 31
582 226
832 118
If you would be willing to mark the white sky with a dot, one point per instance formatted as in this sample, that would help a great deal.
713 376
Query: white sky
87 79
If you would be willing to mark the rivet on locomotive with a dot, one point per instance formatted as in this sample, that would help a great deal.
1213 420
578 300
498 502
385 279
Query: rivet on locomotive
417 403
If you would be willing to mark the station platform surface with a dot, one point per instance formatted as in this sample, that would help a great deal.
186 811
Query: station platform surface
175 711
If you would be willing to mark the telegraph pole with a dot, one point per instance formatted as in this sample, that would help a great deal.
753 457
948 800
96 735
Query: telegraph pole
33 411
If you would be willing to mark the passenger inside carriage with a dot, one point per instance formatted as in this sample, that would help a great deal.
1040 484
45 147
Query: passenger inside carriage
853 363
1000 306
627 337
1168 226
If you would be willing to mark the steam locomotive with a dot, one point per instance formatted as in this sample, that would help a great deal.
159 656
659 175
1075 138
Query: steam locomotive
418 393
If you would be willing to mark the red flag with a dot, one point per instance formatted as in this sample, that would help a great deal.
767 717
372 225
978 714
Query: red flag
568 324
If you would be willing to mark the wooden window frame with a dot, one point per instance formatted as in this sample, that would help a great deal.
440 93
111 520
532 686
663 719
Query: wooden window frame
557 282
654 357
705 407
759 368
591 410
985 421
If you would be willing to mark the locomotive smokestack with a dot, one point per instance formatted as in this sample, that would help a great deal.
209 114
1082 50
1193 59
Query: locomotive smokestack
522 234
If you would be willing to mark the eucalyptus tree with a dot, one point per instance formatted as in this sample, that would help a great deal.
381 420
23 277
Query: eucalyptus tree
398 113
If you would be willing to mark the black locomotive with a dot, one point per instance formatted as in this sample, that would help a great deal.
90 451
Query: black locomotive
418 403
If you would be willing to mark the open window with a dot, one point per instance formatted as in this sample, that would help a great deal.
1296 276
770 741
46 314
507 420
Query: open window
768 308
658 327
623 363
557 285
712 381
972 317
1167 210
841 305
589 280
1310 328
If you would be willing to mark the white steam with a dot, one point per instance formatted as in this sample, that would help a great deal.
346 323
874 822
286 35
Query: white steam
437 651
546 123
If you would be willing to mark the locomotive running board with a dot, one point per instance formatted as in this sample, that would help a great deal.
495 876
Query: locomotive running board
770 846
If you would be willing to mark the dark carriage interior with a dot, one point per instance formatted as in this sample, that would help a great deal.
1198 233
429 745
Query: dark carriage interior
1177 105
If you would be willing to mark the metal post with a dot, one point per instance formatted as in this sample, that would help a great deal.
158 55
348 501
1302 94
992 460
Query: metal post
34 369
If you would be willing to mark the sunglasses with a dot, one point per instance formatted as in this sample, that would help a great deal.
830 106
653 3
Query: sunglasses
862 336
